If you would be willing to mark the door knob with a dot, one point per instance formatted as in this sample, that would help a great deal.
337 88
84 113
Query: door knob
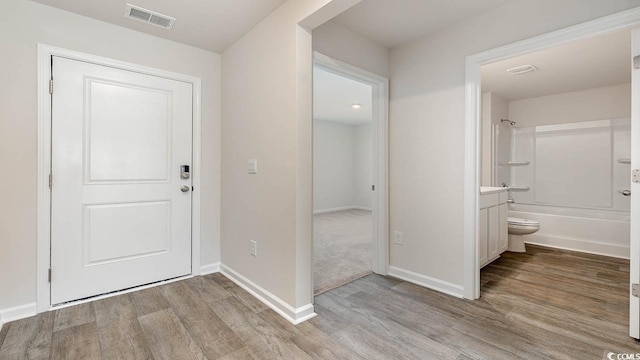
625 192
184 189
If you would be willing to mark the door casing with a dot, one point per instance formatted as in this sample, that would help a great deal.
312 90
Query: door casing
380 122
623 20
43 235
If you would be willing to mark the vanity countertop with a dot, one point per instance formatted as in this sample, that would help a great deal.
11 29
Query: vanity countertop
486 190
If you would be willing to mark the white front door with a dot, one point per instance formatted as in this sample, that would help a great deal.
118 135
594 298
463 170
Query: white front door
120 210
634 308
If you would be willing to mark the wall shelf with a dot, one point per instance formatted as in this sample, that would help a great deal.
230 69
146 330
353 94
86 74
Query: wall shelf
519 188
518 163
624 161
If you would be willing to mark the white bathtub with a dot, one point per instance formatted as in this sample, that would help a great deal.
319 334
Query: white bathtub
591 231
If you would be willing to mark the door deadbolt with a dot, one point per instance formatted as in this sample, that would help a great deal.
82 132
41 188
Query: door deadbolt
184 172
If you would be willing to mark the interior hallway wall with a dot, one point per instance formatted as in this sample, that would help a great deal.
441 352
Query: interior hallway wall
363 159
266 115
342 44
25 24
427 128
342 166
333 165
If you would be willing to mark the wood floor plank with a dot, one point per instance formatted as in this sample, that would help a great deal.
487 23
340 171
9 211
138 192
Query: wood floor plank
148 301
542 304
167 337
440 332
243 354
119 332
310 339
78 342
28 338
123 339
114 309
264 339
211 334
247 299
73 316
208 289
3 333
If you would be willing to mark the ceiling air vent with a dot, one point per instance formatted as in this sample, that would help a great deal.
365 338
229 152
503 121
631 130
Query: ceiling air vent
519 70
148 16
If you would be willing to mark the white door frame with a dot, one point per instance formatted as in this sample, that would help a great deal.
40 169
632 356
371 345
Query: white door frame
380 91
622 20
43 236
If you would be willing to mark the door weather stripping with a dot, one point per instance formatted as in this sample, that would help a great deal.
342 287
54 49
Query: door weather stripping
51 86
635 290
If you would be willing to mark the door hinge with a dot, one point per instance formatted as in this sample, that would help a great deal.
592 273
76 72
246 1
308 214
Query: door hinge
50 181
51 86
635 175
636 62
635 290
49 274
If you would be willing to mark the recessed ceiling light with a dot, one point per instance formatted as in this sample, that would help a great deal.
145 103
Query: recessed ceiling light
356 106
523 69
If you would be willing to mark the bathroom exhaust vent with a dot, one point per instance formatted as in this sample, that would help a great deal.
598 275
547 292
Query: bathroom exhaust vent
148 16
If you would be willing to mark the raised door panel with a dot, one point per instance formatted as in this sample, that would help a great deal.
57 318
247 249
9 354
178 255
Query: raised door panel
483 237
504 227
494 231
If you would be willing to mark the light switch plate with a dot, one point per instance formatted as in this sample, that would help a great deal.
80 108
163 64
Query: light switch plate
253 166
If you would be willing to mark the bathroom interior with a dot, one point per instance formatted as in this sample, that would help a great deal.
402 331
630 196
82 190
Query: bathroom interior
555 153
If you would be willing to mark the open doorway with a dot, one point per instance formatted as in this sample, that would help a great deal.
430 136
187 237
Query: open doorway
349 155
342 177
572 155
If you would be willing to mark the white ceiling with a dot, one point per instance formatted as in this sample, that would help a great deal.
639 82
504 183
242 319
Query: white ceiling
391 23
208 24
334 95
590 63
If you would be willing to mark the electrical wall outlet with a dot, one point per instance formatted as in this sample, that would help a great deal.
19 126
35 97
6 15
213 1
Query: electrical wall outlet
253 248
397 238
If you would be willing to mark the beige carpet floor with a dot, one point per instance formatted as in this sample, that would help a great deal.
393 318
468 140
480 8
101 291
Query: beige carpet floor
342 242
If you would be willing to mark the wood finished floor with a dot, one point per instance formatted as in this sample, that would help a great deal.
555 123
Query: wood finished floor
545 304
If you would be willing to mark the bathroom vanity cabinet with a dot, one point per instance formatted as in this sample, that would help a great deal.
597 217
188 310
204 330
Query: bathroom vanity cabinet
493 222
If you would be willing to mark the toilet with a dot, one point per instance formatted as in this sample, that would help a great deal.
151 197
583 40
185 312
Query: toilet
517 228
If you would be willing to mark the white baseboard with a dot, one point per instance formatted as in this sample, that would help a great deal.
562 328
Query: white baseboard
17 313
589 247
342 208
428 282
293 315
210 268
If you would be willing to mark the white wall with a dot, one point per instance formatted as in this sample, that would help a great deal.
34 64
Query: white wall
427 127
342 44
266 115
333 165
24 24
363 179
342 166
608 102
